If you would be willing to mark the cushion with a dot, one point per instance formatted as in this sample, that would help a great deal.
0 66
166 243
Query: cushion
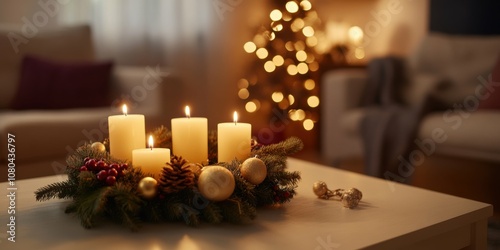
48 84
493 100
73 43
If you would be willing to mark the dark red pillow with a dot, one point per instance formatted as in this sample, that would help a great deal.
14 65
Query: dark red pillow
493 100
47 84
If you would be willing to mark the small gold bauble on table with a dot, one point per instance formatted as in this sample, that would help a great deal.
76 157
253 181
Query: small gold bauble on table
98 146
147 187
320 188
254 170
216 183
350 198
349 201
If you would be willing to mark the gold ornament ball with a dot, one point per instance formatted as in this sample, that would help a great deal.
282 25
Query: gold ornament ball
349 201
355 192
320 188
147 187
254 170
98 146
216 183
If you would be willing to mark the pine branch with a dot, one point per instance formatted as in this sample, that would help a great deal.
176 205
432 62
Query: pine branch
126 196
274 163
87 182
212 147
62 190
237 211
286 178
212 213
162 137
90 205
71 208
289 146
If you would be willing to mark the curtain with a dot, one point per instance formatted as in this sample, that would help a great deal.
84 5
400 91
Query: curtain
149 32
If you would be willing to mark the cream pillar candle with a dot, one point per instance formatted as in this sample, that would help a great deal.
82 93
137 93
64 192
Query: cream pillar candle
151 160
190 138
233 140
126 133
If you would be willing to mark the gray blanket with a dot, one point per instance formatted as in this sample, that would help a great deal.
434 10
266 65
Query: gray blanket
389 126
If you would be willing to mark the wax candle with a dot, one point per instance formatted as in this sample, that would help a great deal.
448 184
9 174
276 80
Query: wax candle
126 133
190 137
151 160
233 140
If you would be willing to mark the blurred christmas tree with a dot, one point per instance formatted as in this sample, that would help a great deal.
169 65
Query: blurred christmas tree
285 75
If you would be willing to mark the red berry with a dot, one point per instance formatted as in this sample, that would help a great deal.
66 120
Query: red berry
286 194
86 159
112 172
115 166
276 198
102 175
121 172
102 164
90 164
83 168
124 166
111 180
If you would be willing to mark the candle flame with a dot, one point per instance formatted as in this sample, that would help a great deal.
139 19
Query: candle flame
150 142
188 112
124 109
235 117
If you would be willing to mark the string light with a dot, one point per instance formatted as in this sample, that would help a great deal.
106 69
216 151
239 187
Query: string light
262 53
306 5
275 15
301 55
313 101
249 47
277 97
290 48
308 124
302 68
292 7
269 66
250 107
243 94
309 84
308 31
278 60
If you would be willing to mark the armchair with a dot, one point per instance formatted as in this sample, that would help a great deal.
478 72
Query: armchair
452 67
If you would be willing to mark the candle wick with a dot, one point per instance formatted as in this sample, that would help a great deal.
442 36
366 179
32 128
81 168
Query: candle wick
151 147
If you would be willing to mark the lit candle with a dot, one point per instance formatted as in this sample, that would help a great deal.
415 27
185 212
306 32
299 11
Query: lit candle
126 133
233 140
151 160
190 138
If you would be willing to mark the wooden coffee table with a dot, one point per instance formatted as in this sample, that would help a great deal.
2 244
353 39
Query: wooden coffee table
390 216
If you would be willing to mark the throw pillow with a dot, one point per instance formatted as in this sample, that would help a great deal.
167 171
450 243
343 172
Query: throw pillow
493 101
46 84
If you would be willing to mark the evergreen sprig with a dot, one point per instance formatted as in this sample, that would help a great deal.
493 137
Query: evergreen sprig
92 199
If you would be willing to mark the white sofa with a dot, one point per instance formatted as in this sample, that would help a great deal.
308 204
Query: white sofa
462 61
43 138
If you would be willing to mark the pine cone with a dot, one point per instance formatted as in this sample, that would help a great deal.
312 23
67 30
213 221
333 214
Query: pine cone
176 176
